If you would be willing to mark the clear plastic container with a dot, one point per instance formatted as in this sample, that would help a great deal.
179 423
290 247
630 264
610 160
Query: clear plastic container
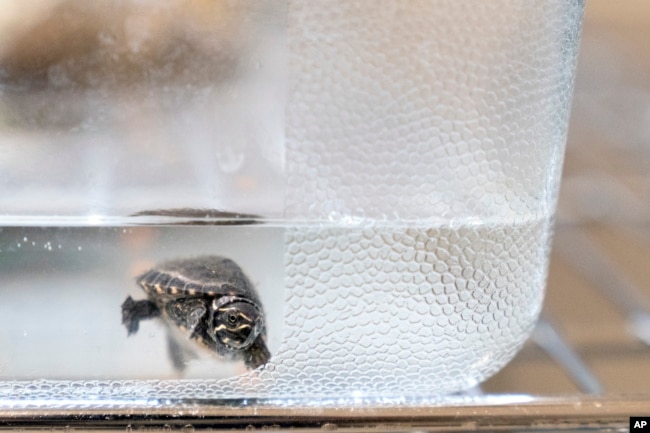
385 174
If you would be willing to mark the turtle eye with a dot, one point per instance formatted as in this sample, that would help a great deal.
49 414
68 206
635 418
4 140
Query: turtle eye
232 319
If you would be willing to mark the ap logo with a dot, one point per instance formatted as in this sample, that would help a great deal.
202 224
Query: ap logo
639 424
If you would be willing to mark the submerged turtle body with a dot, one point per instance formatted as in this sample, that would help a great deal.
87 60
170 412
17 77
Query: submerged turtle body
210 300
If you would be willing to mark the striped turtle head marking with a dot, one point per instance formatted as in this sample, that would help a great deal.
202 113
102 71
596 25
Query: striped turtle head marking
236 322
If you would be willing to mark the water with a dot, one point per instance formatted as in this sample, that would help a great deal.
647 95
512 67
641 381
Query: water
63 287
366 310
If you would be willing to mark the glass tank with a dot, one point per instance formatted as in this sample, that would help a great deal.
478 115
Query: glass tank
285 200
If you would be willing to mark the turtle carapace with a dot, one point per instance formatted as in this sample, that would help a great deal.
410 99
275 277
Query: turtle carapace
211 301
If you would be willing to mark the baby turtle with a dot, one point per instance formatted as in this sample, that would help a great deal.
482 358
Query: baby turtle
211 301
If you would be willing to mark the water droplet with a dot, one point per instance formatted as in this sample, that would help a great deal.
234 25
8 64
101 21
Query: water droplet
79 248
18 245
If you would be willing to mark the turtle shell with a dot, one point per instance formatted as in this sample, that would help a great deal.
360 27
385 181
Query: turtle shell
200 276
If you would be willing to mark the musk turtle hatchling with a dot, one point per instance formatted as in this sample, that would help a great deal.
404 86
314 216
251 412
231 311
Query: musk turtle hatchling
211 301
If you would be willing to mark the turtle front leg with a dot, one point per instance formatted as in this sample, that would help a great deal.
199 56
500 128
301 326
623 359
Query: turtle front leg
134 311
257 354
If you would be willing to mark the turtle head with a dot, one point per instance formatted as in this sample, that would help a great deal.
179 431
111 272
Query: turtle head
236 322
